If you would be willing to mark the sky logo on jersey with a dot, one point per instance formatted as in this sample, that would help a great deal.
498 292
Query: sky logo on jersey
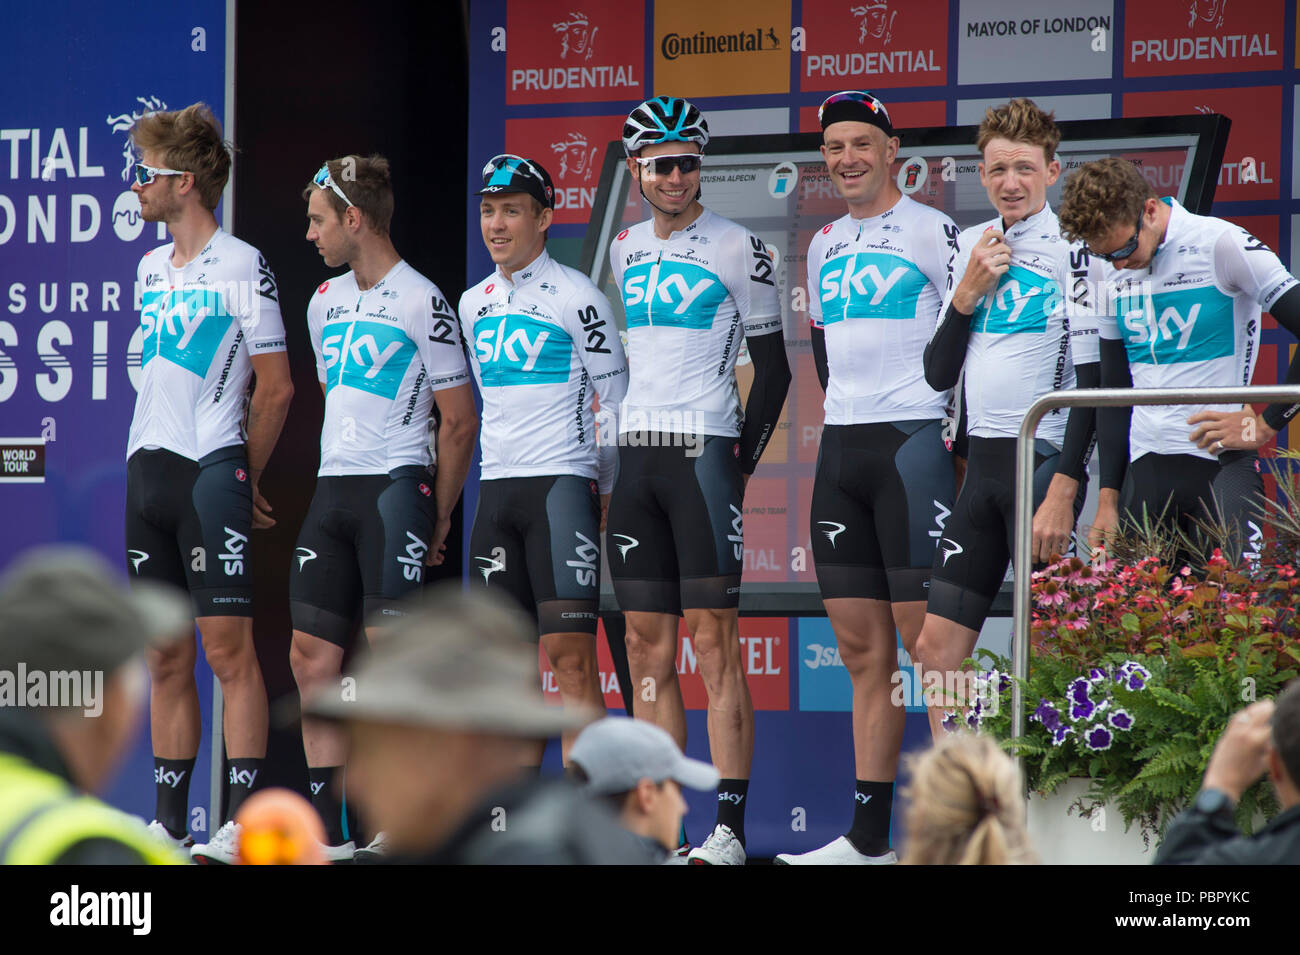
678 294
869 285
519 350
367 356
185 327
1170 327
1021 303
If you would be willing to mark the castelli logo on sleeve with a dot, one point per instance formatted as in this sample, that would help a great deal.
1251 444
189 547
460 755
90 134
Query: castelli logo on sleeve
424 489
320 290
241 474
621 236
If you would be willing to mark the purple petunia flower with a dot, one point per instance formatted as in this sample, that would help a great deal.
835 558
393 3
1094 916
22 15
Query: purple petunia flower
1060 733
1097 675
1098 738
1082 711
1121 720
1047 714
951 722
1077 692
1137 678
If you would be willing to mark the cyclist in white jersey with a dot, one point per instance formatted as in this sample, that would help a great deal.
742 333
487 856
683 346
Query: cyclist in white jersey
542 345
884 483
1184 298
692 284
1015 285
387 349
210 320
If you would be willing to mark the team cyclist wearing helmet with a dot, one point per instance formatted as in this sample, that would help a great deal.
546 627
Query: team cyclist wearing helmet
542 345
692 283
885 479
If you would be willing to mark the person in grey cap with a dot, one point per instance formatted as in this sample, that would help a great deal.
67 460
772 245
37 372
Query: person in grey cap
72 688
637 767
439 716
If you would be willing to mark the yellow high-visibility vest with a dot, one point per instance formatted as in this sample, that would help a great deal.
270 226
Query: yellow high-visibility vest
42 817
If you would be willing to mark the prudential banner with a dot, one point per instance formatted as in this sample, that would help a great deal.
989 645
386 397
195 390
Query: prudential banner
77 76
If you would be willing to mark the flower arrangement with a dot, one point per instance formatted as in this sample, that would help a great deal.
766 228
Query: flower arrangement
1136 669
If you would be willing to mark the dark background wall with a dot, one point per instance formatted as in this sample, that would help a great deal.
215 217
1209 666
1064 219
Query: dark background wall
315 81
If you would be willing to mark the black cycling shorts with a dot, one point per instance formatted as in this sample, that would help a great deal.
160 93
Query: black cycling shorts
187 524
1188 489
362 547
880 499
538 539
975 550
675 528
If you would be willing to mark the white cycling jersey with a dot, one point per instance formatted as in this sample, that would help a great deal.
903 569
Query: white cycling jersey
687 301
875 285
540 343
1190 320
199 325
381 355
1029 332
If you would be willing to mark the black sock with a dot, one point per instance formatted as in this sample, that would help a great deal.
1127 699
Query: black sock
731 805
873 804
172 785
325 800
240 780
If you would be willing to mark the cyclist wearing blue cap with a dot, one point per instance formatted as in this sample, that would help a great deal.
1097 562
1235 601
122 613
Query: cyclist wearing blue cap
692 284
884 484
387 349
542 345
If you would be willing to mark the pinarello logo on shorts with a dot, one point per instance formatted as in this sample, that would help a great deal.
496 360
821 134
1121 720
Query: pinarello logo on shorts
320 290
827 228
241 474
424 489
1257 470
594 488
947 444
735 449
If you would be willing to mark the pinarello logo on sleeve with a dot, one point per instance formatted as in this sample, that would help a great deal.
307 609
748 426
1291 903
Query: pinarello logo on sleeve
320 289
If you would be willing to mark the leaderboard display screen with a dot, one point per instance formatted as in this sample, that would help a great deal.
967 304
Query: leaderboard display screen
778 188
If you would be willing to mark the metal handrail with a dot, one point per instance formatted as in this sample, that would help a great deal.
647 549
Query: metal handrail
1089 398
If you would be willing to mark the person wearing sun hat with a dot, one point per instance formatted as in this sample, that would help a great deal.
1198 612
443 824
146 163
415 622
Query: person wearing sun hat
438 716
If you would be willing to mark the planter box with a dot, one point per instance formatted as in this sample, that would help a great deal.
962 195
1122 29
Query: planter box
1064 839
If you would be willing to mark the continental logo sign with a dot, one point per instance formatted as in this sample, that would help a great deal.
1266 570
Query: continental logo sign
727 50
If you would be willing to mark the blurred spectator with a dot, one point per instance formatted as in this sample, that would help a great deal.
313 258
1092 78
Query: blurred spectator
1262 738
438 717
637 768
966 806
72 690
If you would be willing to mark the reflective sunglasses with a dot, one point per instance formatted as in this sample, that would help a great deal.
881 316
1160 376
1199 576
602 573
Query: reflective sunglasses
324 180
522 167
147 174
854 96
664 165
1125 250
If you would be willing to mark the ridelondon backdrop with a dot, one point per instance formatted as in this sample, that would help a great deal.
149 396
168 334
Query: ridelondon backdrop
552 80
77 75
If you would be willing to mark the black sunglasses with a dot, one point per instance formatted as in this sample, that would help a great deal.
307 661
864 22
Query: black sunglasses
1124 251
664 165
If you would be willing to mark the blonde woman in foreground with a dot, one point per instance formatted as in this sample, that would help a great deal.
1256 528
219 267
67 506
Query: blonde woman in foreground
966 806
